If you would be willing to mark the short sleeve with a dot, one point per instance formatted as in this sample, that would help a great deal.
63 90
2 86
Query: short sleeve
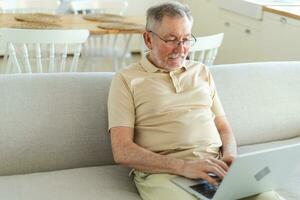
217 107
121 110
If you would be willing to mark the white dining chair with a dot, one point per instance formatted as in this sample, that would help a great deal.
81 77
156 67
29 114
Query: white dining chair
36 50
29 6
114 47
206 48
117 7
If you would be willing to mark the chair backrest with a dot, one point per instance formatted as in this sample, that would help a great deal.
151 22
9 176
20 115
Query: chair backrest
114 47
99 6
29 6
47 49
206 48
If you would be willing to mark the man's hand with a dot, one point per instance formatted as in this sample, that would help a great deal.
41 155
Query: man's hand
228 158
200 169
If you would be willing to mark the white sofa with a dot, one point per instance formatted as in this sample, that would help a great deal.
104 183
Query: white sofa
53 129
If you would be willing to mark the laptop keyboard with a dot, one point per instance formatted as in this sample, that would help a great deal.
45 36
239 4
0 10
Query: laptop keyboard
206 189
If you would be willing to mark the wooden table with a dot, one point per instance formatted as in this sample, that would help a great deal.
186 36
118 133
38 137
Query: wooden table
78 22
71 21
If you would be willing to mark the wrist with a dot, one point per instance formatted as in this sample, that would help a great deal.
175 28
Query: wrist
229 151
179 170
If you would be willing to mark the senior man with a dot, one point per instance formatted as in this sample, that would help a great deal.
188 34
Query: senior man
165 117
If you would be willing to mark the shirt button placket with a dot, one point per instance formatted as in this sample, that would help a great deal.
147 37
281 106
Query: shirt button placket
175 81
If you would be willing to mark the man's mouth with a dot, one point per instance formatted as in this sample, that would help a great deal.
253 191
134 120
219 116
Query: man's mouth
176 56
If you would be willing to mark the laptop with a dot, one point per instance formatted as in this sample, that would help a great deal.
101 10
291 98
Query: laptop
249 174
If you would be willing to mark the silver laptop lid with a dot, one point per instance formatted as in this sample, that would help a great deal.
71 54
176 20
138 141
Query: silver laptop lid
259 171
252 173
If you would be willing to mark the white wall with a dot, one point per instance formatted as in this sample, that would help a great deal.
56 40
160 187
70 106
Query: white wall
247 39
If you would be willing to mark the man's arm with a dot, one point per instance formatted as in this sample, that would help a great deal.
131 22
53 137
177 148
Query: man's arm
229 148
128 153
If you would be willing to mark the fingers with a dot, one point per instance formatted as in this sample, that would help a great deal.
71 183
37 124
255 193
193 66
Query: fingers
202 168
220 163
216 167
209 179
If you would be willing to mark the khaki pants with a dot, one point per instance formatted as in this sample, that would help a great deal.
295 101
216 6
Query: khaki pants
159 187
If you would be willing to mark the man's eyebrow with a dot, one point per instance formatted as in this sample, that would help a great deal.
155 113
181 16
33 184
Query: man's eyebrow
172 35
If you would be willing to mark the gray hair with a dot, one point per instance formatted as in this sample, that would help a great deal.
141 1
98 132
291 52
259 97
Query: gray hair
156 13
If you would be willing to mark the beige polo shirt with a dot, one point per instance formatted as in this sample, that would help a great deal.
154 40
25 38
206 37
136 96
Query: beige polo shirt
171 112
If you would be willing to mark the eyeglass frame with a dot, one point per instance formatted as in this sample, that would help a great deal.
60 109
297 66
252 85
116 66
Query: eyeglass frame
178 42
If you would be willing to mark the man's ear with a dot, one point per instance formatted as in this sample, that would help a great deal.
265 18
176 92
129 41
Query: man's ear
147 40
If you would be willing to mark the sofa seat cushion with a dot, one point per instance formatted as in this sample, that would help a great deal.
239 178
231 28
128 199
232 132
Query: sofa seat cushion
290 188
106 182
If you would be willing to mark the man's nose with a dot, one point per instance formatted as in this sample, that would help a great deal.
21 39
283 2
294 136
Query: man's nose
180 47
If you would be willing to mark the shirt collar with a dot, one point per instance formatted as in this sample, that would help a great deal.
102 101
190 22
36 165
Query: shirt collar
149 67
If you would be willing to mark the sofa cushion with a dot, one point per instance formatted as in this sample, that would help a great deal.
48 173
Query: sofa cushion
261 100
92 183
53 121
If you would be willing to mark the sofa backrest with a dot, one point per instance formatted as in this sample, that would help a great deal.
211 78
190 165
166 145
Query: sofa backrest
53 121
59 121
261 100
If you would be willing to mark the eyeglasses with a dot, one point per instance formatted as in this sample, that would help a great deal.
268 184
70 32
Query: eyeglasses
187 42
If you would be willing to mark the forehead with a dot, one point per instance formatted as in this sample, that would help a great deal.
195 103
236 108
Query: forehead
177 26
